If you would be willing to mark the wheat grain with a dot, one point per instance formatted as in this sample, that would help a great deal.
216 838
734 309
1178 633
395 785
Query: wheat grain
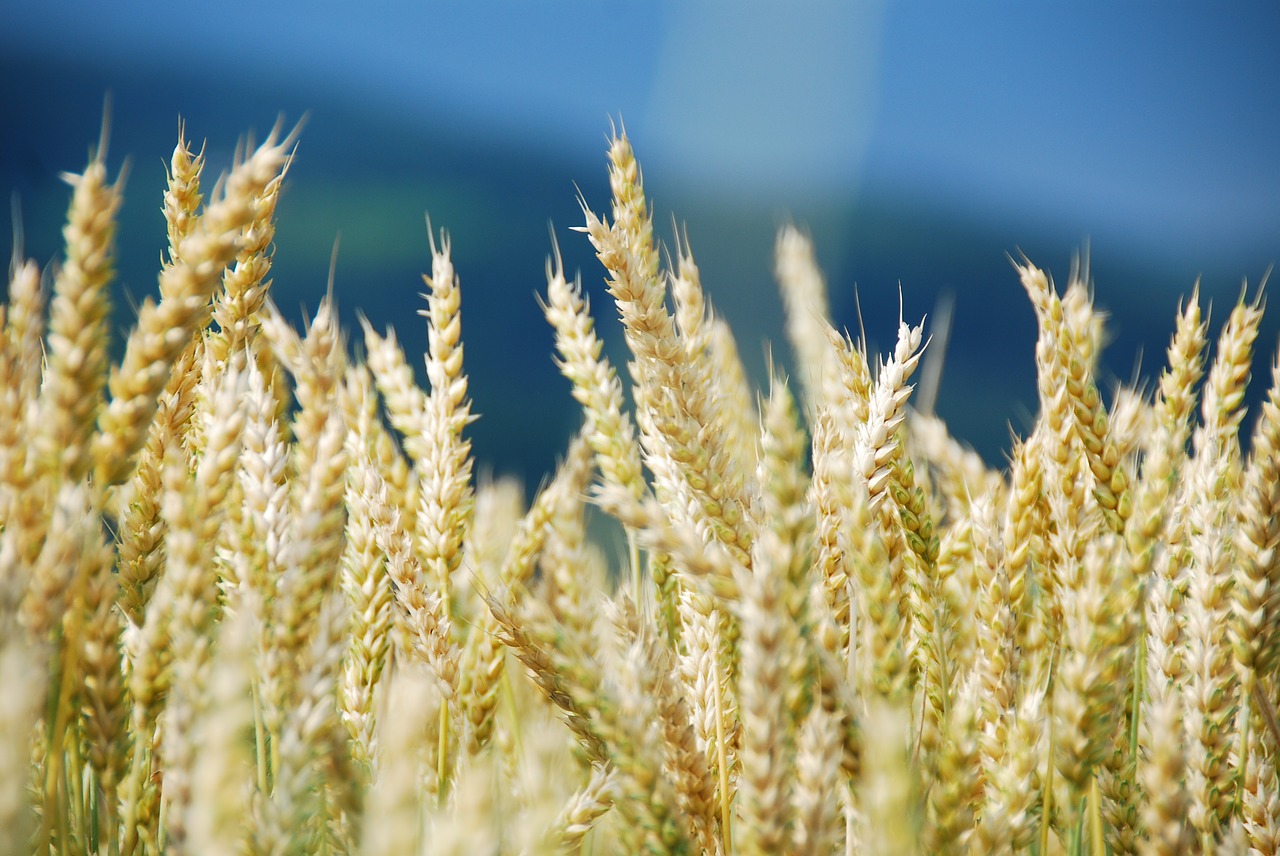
233 624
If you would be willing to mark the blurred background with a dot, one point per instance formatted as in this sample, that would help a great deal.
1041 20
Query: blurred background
919 144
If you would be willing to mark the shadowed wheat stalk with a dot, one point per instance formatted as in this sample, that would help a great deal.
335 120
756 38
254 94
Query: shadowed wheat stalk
254 600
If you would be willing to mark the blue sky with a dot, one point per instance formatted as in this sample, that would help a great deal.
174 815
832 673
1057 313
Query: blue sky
1158 121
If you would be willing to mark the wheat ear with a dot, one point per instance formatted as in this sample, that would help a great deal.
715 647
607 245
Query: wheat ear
165 328
76 375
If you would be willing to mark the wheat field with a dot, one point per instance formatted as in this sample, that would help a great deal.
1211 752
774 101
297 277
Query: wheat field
255 600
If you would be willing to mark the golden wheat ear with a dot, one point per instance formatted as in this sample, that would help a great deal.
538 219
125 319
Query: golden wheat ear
76 372
205 249
808 314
